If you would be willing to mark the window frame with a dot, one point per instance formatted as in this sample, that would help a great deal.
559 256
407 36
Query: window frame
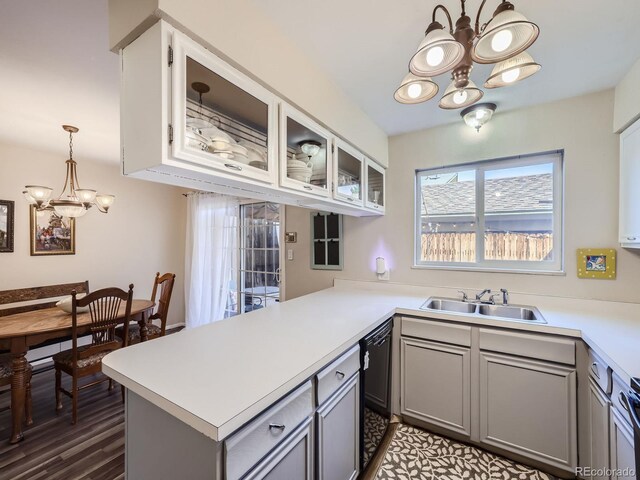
554 267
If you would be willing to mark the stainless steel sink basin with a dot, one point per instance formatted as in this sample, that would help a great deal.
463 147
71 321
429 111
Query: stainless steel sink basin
517 313
446 305
528 314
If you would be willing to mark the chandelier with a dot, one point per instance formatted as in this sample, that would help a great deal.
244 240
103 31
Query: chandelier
501 41
73 201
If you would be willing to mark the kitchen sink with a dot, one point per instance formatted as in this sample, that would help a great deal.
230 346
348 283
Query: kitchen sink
529 314
447 305
517 313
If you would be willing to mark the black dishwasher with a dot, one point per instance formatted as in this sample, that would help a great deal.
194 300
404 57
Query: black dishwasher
375 399
632 401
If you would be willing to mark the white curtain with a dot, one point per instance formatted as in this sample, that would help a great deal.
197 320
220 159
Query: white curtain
211 253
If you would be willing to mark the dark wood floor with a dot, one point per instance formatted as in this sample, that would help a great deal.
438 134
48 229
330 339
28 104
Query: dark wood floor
53 449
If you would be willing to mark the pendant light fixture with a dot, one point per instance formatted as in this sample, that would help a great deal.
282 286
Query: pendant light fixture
73 201
512 70
477 115
502 40
414 89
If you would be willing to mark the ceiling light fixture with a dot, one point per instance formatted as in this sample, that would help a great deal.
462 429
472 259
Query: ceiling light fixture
73 201
502 40
477 115
414 89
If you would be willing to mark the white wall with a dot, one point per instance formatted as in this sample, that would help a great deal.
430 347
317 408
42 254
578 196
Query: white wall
240 33
627 102
143 232
581 126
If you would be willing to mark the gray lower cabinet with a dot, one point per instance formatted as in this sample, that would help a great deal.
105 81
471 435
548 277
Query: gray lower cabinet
291 459
435 383
338 428
621 446
528 407
598 448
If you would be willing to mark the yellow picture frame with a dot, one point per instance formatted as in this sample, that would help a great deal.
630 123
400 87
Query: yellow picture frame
597 263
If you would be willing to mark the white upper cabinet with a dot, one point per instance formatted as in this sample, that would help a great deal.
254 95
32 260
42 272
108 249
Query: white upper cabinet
220 118
305 153
629 186
375 184
348 173
190 119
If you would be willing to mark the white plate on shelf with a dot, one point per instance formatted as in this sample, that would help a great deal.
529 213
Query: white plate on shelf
258 164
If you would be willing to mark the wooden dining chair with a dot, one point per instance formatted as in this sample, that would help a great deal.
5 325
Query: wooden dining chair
106 314
165 282
6 373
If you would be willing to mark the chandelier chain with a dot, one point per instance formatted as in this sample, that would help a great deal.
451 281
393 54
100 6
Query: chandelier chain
70 145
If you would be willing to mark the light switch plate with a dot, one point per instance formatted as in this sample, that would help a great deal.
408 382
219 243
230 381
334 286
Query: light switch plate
289 254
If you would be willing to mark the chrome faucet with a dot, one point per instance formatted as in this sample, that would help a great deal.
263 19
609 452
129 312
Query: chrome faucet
482 294
465 297
505 296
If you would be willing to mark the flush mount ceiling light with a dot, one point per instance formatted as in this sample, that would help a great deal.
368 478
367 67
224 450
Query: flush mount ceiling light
477 115
73 201
503 40
414 89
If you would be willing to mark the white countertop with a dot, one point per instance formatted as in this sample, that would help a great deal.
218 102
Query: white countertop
217 377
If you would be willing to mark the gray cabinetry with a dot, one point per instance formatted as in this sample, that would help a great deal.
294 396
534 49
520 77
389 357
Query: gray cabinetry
598 441
435 384
292 459
621 446
338 433
529 407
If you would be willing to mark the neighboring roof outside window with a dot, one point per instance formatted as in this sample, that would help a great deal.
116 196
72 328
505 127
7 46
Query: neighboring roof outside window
530 194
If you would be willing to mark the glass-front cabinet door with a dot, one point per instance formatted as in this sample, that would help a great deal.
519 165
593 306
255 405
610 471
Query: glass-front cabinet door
220 118
348 178
375 186
305 153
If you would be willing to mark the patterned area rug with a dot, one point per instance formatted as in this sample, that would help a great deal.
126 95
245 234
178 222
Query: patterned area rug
416 454
375 425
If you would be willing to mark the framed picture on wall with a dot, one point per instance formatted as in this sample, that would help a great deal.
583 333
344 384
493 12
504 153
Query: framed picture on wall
52 234
6 225
599 263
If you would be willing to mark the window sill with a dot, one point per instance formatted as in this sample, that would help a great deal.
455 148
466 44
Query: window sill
466 268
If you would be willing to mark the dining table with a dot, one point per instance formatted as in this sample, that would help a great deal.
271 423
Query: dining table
20 331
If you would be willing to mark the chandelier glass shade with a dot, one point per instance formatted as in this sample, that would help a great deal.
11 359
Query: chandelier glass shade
455 97
502 40
73 201
512 70
414 89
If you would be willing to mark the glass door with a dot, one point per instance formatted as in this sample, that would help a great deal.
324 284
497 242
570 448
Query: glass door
220 118
375 186
348 173
305 153
259 273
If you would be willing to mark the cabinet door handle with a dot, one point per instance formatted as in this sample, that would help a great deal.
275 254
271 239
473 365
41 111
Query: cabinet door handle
631 238
339 374
622 398
594 369
277 426
308 187
237 168
350 199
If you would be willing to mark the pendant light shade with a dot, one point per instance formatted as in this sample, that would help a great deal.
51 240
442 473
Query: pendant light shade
37 194
414 89
507 34
512 70
438 53
68 208
105 201
460 97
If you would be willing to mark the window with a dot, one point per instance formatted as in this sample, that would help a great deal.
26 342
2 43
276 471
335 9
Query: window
499 215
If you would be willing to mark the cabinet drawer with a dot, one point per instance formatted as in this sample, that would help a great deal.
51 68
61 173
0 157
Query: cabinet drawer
600 372
540 347
617 388
337 373
437 331
252 442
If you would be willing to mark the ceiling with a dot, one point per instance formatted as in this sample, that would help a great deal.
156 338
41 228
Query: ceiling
365 46
57 68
